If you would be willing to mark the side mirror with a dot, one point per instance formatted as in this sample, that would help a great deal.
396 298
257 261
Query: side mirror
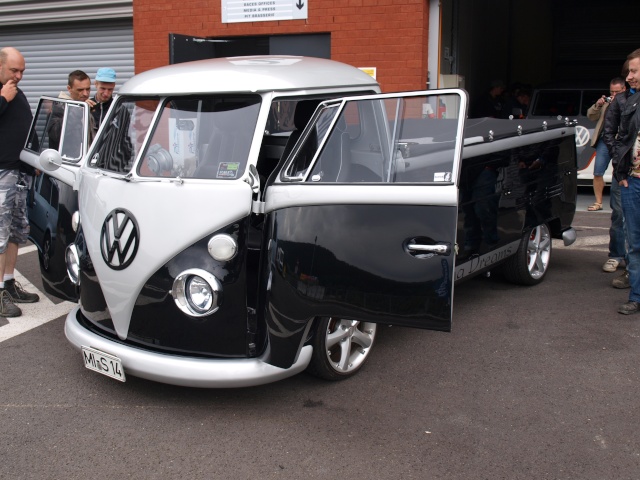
50 160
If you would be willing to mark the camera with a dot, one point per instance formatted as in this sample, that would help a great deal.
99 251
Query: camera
608 99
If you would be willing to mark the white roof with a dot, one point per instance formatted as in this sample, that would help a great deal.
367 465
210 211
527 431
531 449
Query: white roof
248 74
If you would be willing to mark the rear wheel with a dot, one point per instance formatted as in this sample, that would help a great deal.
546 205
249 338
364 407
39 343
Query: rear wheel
531 262
340 347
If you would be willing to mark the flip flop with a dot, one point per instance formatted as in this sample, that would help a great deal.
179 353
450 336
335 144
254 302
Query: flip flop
595 207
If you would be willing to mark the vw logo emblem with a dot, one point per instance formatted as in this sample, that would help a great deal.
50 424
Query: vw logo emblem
119 239
582 136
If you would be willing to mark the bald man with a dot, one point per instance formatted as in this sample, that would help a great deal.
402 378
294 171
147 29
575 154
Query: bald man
15 179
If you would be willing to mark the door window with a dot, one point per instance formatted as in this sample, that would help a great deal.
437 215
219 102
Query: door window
380 140
61 126
55 195
46 187
553 103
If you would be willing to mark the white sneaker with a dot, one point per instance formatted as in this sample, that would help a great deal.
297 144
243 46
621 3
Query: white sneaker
611 265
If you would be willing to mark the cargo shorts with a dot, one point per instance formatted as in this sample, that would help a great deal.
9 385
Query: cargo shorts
14 223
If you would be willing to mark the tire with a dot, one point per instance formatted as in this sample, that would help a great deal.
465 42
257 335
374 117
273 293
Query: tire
340 347
531 262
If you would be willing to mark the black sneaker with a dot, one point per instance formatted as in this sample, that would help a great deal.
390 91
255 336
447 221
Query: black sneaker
622 281
18 293
7 307
629 308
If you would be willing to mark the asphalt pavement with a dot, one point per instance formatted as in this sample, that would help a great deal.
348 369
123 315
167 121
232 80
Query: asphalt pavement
532 383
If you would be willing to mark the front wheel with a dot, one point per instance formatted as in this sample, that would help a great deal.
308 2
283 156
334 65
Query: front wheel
45 254
340 347
531 262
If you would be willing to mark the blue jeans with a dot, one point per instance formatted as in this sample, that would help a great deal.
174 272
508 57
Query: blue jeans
617 243
602 159
631 209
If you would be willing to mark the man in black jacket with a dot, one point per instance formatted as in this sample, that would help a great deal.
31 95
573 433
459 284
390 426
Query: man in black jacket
15 179
626 162
617 240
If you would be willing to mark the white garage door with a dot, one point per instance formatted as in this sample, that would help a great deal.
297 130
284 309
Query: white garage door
52 52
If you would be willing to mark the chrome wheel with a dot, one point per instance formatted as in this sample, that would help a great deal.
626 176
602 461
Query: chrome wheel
539 251
531 261
341 347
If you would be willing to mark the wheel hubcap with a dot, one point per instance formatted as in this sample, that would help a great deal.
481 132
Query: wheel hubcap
45 254
348 343
539 251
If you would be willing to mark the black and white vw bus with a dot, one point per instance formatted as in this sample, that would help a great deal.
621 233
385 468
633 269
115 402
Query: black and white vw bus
244 219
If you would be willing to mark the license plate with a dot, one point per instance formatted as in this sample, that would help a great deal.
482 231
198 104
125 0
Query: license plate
103 363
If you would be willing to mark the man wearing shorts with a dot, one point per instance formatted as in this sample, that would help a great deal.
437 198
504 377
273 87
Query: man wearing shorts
15 180
596 113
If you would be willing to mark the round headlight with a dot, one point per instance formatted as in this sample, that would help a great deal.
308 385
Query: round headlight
222 247
73 264
197 292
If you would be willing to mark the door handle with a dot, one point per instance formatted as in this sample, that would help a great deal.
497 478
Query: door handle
438 249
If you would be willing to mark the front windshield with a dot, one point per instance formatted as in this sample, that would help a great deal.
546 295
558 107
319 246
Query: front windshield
116 149
192 137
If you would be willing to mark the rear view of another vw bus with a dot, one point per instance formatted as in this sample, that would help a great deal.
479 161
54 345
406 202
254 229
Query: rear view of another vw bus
572 103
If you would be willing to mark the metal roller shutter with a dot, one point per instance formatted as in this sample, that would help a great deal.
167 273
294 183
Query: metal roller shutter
52 52
591 45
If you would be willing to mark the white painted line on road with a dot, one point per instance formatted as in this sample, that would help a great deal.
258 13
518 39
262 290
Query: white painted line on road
29 249
33 314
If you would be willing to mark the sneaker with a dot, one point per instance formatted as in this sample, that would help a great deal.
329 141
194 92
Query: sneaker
18 293
611 265
7 307
629 308
622 281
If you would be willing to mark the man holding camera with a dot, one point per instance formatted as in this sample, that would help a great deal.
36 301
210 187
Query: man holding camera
596 113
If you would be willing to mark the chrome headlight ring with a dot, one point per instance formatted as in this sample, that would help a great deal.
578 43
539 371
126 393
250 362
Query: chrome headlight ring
197 292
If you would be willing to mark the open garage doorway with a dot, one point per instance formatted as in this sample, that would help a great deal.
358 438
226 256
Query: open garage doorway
535 42
185 48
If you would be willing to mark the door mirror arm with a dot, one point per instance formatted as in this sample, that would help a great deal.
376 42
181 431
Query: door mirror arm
50 160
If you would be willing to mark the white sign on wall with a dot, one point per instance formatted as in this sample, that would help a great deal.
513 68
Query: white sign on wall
235 11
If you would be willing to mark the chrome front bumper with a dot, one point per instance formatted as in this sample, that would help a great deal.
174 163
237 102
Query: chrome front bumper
184 371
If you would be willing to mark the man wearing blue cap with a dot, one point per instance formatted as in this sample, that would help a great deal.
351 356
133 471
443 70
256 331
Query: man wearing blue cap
105 83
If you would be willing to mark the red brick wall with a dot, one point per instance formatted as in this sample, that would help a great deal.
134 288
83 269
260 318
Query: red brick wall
388 34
